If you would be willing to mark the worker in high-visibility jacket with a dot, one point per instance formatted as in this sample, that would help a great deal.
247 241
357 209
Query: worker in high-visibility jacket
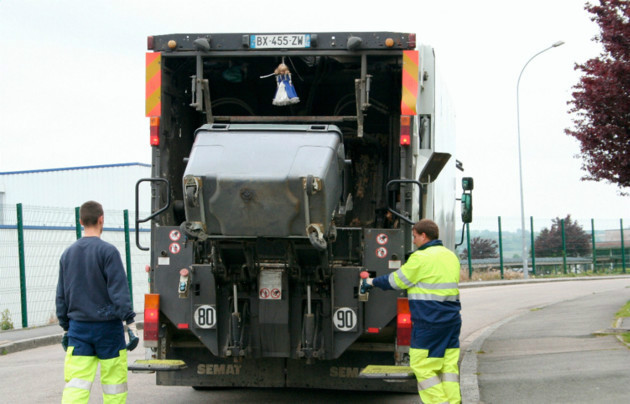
92 301
431 278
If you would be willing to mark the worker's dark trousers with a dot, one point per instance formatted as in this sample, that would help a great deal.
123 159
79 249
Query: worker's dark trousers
433 359
91 343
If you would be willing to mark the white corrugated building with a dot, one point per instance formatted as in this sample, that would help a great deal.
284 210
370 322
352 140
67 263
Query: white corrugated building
113 185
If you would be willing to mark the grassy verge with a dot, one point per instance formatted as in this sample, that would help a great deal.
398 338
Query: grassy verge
623 313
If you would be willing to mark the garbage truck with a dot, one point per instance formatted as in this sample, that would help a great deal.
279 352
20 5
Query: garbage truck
284 165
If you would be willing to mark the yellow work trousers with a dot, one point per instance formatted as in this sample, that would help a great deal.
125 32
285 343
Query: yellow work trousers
79 373
438 378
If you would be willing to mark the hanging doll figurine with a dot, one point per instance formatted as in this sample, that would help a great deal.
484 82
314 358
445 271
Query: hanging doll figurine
285 94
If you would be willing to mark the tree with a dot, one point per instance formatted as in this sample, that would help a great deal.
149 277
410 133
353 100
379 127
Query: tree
601 100
481 248
549 241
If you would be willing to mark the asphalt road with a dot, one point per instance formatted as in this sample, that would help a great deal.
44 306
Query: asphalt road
36 375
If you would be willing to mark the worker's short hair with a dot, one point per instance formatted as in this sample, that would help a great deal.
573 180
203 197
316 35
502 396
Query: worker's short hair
428 227
89 213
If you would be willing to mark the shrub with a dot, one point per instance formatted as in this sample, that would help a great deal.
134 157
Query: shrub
5 320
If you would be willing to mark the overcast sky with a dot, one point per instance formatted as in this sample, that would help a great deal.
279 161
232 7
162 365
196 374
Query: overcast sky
72 85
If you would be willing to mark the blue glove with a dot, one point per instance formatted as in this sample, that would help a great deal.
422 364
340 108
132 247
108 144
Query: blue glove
132 331
365 286
366 282
64 341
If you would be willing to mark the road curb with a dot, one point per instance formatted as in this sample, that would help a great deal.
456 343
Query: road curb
36 342
31 343
469 383
479 284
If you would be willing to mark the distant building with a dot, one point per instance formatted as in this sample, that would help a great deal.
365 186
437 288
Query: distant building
609 246
113 185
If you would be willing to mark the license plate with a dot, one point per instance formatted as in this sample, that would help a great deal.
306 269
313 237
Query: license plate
280 41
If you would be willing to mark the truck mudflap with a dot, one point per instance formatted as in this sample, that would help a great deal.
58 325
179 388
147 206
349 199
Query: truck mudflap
206 370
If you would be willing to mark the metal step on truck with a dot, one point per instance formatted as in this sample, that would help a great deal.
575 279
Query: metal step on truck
283 166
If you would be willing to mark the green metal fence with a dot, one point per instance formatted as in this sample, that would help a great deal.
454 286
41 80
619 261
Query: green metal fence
32 240
604 254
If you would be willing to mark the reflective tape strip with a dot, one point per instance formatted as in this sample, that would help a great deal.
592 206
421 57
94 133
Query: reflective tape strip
153 84
403 279
450 377
428 383
114 388
437 298
410 73
433 286
392 282
79 384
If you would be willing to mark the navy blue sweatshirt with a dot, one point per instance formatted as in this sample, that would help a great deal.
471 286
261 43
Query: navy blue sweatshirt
92 284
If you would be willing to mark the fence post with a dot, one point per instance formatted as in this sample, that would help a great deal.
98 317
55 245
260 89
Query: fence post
500 248
128 255
531 226
594 247
77 222
623 250
20 230
469 252
564 248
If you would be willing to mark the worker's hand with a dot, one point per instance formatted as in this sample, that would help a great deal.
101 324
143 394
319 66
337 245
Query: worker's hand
132 331
366 282
64 341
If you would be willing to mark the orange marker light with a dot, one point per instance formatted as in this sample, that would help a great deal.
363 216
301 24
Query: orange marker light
403 323
151 319
155 131
405 130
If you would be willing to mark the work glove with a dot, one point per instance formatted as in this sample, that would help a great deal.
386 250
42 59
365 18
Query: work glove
64 341
366 282
132 331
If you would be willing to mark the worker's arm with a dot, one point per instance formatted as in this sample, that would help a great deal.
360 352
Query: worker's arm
403 278
62 309
60 302
117 286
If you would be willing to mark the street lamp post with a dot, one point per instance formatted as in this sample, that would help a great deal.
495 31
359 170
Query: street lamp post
520 162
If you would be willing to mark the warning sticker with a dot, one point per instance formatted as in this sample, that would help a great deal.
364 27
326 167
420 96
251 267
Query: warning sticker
175 235
174 248
381 252
382 239
270 284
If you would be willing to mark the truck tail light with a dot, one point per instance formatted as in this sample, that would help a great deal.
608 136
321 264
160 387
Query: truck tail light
155 131
151 319
403 323
412 41
405 130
